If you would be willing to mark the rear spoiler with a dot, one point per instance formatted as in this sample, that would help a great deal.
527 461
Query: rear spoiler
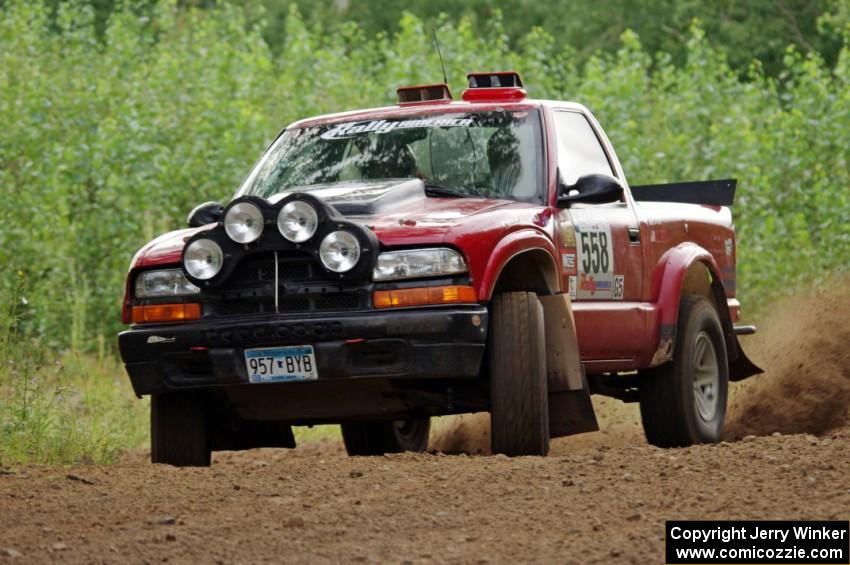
708 192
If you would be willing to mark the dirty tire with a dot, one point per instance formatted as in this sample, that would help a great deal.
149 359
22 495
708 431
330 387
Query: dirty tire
378 438
179 429
673 406
518 393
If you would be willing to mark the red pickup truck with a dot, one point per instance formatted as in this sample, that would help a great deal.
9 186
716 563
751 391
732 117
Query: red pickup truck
379 267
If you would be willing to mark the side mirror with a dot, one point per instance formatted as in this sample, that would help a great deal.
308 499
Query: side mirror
206 213
590 189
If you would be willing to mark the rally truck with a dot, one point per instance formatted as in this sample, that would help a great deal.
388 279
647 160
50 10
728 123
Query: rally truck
379 267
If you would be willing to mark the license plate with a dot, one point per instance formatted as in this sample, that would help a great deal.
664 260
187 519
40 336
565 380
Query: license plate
280 364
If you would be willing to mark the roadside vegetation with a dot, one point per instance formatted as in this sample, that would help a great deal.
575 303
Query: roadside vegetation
113 128
62 406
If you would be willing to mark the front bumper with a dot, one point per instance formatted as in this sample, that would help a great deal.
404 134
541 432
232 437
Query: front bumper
426 343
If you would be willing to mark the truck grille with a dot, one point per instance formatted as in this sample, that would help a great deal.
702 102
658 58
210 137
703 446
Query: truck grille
303 287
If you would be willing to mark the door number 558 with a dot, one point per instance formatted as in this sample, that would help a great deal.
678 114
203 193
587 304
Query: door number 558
595 255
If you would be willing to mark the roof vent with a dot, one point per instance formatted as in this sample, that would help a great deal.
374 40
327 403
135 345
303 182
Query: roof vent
508 79
494 87
424 93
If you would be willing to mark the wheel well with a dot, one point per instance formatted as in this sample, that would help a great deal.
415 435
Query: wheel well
697 281
531 271
701 281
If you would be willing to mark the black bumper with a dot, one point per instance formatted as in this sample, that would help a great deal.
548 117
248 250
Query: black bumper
406 344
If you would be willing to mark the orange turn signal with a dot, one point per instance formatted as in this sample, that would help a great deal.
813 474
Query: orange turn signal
427 296
166 313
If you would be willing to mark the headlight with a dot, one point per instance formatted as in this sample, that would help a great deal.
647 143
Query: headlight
297 221
339 251
203 259
170 282
244 223
416 263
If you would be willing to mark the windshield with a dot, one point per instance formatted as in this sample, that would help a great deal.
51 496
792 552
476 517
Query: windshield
487 154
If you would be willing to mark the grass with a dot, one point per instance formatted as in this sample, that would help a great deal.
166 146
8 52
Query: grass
69 409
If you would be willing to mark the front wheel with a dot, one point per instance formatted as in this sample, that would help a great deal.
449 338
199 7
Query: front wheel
684 401
519 402
179 429
378 438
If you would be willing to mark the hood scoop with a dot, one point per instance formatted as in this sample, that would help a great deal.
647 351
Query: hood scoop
368 198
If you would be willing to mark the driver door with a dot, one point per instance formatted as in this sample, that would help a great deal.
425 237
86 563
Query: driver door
600 252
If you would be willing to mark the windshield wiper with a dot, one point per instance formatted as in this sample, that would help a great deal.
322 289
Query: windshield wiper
440 190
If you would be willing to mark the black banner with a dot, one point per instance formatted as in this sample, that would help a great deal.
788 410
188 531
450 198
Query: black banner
757 542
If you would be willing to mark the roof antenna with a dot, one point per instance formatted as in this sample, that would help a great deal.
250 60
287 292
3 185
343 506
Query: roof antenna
440 53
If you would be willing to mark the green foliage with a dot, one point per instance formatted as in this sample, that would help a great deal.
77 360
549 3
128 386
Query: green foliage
759 29
755 29
109 138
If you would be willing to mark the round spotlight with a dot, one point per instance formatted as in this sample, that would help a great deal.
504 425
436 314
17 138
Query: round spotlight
339 251
297 221
244 223
203 259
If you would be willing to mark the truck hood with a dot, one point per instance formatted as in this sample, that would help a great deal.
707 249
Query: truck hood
399 208
398 211
431 220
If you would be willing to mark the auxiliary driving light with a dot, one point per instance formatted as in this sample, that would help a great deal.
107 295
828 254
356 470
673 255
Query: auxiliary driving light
203 259
297 221
339 251
244 223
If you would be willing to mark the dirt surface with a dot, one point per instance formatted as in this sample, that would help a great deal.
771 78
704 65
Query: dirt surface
599 498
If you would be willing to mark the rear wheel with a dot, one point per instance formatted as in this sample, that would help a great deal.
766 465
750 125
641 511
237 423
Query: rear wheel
179 429
377 438
519 403
684 402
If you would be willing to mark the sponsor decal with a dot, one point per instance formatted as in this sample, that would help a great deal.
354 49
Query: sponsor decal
728 246
619 287
351 129
573 288
569 261
568 236
594 261
160 339
588 285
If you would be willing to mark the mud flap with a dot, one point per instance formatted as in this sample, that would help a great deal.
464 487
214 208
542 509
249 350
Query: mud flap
570 408
742 368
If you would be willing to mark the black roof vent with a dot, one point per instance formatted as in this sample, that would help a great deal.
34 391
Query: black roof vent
506 79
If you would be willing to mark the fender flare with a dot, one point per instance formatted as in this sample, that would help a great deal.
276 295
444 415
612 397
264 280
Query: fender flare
511 246
668 281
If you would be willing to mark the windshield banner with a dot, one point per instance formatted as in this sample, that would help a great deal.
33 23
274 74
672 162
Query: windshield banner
343 131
